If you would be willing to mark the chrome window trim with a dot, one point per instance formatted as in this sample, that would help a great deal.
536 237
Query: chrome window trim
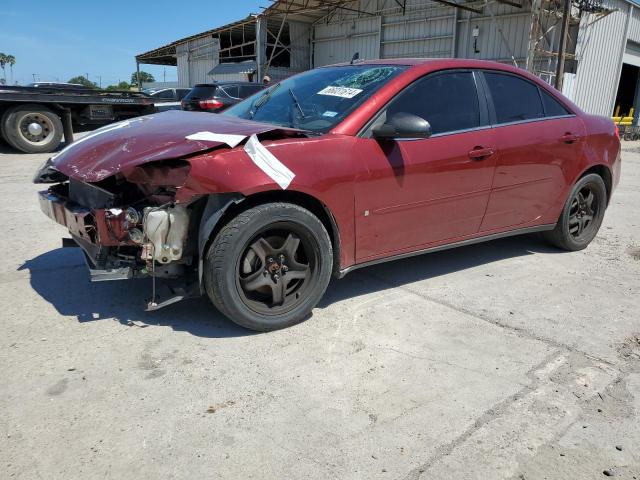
532 120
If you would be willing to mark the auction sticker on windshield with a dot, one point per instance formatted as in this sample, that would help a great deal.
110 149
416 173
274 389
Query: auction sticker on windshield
344 92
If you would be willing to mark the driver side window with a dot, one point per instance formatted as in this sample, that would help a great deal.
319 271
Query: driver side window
448 101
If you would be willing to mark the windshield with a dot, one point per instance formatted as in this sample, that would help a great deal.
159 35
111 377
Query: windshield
316 100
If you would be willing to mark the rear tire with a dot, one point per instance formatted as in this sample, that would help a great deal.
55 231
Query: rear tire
581 216
32 128
268 267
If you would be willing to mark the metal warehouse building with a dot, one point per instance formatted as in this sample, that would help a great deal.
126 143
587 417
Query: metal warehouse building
601 63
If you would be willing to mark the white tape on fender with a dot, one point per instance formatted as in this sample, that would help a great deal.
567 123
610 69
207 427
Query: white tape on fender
229 139
268 163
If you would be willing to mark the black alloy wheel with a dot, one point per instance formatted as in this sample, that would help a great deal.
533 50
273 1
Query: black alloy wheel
583 211
581 216
276 269
269 266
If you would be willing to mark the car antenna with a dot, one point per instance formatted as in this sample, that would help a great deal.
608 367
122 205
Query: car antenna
355 57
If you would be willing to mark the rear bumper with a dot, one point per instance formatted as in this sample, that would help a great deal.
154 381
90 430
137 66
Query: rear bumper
615 170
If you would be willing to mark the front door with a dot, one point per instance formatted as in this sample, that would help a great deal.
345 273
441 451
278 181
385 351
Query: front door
418 193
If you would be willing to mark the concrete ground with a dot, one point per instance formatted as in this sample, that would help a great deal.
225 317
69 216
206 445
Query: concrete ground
503 360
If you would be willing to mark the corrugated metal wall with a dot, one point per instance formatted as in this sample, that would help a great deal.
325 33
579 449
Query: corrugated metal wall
195 59
634 25
419 33
338 41
502 37
299 35
599 53
425 29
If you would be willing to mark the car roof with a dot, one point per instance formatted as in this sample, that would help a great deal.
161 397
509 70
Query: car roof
226 82
436 63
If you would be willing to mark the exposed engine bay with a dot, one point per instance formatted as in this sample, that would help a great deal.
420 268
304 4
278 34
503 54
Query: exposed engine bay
128 229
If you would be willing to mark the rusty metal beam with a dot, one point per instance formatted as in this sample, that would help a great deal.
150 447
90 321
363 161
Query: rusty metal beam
510 3
458 5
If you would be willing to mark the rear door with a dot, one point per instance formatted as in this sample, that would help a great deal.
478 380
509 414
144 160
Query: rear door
419 192
538 139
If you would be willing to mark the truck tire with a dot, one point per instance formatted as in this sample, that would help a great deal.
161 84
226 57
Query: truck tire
32 128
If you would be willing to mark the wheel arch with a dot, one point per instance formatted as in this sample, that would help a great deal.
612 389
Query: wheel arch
219 209
604 172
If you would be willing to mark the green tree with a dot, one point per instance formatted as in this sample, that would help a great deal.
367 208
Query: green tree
11 61
120 86
82 81
3 64
144 77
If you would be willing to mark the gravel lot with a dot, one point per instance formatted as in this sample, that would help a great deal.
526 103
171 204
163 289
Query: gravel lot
502 360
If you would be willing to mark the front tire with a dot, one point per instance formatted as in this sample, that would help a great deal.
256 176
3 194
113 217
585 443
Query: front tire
32 128
581 216
268 267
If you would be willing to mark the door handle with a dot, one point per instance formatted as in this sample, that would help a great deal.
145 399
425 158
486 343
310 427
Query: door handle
569 137
480 153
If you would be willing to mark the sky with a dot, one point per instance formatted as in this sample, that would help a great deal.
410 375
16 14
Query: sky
57 40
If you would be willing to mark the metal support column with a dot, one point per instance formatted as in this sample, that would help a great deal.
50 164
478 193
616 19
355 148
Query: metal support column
67 127
564 33
138 76
261 47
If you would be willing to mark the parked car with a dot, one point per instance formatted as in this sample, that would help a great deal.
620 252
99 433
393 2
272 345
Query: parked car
215 97
334 169
168 98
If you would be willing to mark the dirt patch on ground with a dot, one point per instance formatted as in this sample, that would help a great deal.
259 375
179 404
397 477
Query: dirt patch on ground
629 349
634 252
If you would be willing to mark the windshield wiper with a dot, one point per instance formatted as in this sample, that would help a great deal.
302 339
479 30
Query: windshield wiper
262 100
297 103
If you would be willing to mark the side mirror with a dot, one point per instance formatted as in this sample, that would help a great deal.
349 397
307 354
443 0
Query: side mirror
403 125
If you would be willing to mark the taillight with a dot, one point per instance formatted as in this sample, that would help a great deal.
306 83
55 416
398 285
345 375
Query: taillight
210 104
617 131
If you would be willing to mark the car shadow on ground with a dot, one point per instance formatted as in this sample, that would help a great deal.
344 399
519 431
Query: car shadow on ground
60 277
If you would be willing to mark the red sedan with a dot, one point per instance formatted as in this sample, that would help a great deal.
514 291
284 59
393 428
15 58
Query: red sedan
334 169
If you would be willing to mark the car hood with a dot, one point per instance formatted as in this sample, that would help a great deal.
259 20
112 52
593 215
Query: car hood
161 136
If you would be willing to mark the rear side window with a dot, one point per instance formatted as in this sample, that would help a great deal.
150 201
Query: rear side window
448 101
248 90
514 99
164 95
181 92
552 108
230 90
202 92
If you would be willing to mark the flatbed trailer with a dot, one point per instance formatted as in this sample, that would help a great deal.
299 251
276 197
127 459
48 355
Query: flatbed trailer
35 119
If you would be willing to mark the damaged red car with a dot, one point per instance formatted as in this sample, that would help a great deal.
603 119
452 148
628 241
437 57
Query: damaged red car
330 170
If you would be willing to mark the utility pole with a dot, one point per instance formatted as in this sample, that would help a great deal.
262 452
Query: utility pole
34 77
562 47
100 80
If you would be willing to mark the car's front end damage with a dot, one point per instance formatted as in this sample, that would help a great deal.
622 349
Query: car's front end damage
132 207
129 229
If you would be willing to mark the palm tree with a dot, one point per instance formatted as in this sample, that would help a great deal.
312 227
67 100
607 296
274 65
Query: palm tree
3 64
11 61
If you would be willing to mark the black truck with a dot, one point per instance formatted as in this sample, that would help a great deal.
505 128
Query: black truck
34 118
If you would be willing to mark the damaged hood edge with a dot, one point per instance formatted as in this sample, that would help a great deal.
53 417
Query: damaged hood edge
168 135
